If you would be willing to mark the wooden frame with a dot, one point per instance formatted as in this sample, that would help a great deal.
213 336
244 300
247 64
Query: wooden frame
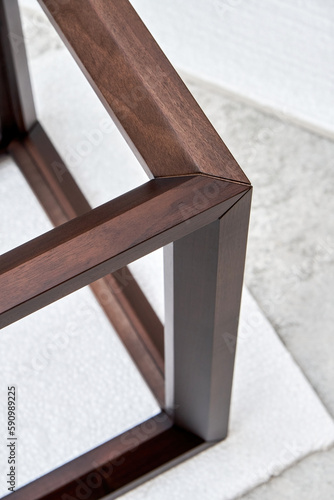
196 206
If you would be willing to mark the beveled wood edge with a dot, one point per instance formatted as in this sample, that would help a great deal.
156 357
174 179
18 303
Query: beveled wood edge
43 270
151 452
148 101
119 295
203 283
65 189
173 428
118 465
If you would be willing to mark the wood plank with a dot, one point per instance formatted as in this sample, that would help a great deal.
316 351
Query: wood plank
140 89
203 284
119 294
68 195
204 265
106 239
17 110
116 466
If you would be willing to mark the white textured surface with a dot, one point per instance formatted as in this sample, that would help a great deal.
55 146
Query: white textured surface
290 258
276 417
14 209
273 423
310 479
77 388
276 53
82 130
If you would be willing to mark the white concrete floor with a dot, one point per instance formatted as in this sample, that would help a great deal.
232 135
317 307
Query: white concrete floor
290 260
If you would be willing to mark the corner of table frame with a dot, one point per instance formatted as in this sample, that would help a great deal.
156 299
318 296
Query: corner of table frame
196 206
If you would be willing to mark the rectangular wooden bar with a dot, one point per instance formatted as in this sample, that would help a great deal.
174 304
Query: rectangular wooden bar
203 283
51 172
197 205
104 240
149 102
119 294
116 466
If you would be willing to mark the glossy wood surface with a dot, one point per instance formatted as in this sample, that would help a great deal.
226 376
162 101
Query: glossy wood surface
119 295
197 204
104 240
153 108
116 466
203 282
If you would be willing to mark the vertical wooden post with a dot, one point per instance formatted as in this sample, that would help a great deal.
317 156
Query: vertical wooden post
203 284
17 110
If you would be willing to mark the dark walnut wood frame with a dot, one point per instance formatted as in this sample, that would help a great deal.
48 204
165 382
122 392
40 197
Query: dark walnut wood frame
196 206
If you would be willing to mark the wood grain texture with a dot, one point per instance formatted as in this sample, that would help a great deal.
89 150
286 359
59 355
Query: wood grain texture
197 204
118 465
203 283
107 238
69 197
119 295
17 110
155 111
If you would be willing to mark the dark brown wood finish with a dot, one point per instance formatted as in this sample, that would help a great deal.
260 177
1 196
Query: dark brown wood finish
198 204
43 270
125 304
118 465
17 111
203 283
147 99
54 174
119 294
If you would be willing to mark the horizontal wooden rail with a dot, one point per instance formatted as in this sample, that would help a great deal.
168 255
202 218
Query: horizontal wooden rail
119 295
114 467
107 238
63 200
140 89
197 207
